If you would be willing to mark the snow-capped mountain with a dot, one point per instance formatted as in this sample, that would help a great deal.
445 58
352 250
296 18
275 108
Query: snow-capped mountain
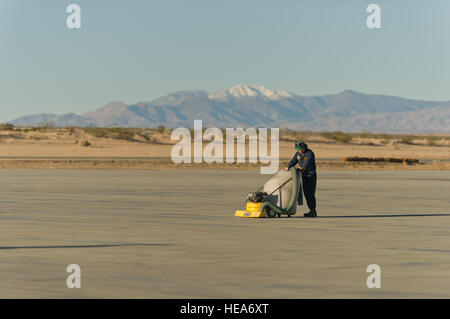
256 106
241 90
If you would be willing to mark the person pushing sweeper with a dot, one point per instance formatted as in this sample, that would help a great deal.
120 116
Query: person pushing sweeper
305 160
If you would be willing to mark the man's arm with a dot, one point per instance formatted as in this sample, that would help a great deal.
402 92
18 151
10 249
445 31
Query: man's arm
292 162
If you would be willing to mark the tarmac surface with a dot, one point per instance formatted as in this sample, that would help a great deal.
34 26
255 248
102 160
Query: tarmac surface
173 234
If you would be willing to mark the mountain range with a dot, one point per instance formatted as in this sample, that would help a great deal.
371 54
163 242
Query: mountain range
256 106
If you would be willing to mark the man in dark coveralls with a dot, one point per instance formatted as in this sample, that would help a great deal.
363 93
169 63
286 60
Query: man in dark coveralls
306 162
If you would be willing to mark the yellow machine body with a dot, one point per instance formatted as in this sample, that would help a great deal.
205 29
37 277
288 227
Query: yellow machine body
251 210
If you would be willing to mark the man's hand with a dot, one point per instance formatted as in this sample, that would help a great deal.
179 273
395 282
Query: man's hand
286 168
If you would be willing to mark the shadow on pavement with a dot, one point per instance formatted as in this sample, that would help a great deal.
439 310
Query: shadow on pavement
382 216
79 246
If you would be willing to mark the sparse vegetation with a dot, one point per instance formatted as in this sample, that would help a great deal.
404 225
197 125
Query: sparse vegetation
291 136
117 133
70 129
41 128
406 139
338 136
6 127
47 125
384 137
161 129
431 139
161 135
364 134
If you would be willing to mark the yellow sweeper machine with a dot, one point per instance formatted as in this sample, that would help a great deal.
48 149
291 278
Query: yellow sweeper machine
278 196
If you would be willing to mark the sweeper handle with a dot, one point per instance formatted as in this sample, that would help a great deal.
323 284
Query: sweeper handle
292 199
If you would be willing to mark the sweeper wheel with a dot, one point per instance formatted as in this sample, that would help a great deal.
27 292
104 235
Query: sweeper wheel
269 212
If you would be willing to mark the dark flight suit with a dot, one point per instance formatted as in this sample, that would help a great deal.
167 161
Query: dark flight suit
309 176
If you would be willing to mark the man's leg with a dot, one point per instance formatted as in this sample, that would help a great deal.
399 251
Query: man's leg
309 188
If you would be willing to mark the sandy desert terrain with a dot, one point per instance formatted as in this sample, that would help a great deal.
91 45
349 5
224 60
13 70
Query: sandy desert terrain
63 148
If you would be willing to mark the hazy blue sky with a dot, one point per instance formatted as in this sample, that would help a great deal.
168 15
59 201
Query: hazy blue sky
139 50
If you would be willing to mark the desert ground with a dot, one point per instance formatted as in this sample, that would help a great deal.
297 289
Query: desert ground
103 148
139 226
167 234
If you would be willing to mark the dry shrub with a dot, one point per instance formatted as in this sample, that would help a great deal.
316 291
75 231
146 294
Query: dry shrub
6 127
83 143
431 139
406 139
161 129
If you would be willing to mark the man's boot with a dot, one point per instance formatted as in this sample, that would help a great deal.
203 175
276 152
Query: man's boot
312 213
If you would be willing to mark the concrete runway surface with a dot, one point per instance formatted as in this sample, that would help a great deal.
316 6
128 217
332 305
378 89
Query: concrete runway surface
172 234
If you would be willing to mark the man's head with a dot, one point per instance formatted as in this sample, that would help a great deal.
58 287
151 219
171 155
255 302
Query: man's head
301 146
